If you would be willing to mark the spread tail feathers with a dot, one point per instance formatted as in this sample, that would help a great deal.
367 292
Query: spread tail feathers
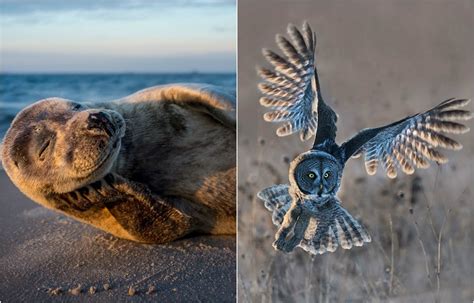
330 227
323 228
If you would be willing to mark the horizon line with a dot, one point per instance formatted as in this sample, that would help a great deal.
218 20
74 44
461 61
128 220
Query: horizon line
113 72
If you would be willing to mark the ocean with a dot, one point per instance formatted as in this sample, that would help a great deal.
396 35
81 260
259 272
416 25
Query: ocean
20 90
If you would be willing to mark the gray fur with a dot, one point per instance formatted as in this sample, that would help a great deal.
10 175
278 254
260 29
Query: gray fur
151 167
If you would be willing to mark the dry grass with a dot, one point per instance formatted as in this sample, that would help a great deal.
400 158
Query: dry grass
421 230
378 61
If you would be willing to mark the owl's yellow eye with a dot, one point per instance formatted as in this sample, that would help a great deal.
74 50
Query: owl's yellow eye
326 175
311 175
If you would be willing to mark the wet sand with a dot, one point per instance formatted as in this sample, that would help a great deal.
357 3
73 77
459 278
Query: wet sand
45 255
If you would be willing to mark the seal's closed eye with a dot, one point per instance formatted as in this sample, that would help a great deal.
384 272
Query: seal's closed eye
43 148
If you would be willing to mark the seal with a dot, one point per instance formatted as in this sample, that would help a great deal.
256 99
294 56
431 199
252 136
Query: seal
151 167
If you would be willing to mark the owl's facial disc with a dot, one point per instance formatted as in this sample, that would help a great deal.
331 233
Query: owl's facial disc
317 176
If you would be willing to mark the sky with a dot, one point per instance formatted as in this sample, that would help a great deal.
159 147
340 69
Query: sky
117 36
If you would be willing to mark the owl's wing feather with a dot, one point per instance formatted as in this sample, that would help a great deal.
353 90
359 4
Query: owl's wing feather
277 200
411 142
292 90
329 226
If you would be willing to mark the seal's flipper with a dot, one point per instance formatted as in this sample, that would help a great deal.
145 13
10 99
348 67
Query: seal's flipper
142 216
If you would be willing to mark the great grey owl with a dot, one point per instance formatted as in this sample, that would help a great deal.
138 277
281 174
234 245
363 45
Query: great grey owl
307 211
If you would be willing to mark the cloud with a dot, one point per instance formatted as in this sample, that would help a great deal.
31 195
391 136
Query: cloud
110 35
20 7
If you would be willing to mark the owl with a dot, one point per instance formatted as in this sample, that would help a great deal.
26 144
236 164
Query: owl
307 212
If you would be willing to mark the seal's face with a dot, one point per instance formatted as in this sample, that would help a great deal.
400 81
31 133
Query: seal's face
58 145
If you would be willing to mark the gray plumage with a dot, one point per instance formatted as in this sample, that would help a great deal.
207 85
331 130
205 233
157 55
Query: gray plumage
290 89
411 142
307 211
315 222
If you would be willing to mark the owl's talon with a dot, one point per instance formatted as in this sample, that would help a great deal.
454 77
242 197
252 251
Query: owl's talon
279 244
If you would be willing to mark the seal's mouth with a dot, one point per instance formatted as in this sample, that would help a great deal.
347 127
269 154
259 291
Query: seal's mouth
107 129
104 157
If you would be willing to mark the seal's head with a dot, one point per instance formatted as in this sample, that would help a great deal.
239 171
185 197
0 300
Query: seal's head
57 145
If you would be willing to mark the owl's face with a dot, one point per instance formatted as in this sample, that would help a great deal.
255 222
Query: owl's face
316 173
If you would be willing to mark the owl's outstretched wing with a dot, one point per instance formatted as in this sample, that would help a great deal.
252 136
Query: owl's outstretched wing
329 226
292 88
412 141
277 200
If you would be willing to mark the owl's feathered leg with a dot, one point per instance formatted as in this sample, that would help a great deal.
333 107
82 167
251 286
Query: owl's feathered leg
298 232
284 241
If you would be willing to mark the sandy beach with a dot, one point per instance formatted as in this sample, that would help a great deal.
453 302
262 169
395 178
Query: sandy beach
45 255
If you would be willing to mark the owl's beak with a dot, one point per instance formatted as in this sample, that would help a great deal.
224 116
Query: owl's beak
320 189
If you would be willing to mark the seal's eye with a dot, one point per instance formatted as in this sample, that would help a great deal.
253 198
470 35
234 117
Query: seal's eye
311 175
326 175
43 148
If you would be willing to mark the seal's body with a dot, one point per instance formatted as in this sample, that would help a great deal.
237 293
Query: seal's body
151 167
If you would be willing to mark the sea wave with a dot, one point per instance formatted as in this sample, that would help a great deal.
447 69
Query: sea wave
20 90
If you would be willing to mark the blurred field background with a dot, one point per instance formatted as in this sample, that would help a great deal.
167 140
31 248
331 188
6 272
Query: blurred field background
378 61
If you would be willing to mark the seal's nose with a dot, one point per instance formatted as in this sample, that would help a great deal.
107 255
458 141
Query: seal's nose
100 121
